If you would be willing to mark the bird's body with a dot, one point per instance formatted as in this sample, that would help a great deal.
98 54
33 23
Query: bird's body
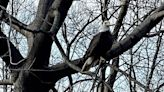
98 47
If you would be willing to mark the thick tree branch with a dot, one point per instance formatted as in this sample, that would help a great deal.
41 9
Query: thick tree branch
138 33
13 22
104 6
10 20
38 57
41 13
61 70
115 61
42 40
121 16
56 15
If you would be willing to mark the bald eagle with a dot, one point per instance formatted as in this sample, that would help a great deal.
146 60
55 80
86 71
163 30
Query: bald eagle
98 46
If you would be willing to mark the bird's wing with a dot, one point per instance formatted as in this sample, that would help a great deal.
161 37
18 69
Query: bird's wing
90 54
93 45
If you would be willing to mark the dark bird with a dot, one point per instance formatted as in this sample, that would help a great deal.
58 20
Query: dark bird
99 45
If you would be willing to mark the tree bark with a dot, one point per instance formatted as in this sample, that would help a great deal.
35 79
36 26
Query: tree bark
38 57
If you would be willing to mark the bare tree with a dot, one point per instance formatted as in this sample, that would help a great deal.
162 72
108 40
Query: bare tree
136 55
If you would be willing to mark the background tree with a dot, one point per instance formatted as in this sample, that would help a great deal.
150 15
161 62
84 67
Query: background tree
43 42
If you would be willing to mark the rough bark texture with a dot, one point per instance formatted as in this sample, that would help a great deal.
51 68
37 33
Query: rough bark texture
38 58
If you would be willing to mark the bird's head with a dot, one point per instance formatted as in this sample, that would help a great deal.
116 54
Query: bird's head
106 23
105 26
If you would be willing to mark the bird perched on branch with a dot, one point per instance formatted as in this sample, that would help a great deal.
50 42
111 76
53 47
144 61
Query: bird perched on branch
99 45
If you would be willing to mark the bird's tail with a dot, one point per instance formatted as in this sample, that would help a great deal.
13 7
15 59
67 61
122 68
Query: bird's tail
87 64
